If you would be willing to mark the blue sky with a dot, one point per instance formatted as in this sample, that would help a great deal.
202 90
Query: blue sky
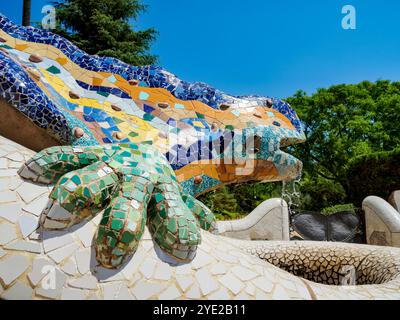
268 47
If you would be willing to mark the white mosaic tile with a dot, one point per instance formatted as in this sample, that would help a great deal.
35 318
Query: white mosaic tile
206 281
147 268
4 183
14 165
163 271
7 233
124 293
280 294
8 172
171 293
15 156
85 282
28 224
58 213
54 239
30 191
19 291
36 206
8 196
243 296
14 184
35 235
83 260
70 267
243 274
144 290
263 283
183 269
110 290
86 234
184 281
132 266
64 252
10 211
194 292
232 283
260 295
3 163
28 246
218 268
250 289
202 259
72 294
221 294
12 267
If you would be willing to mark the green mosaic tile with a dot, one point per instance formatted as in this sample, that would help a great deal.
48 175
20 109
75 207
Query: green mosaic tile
117 224
53 70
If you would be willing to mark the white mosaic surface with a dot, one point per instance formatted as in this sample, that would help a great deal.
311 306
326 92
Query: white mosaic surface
38 264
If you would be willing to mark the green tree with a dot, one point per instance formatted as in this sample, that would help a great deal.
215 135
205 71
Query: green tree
375 174
342 123
222 203
102 27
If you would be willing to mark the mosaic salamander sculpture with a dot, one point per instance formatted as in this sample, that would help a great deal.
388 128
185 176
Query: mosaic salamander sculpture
140 140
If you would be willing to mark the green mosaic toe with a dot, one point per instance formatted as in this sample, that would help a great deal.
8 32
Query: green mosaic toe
56 161
85 191
204 215
173 226
120 230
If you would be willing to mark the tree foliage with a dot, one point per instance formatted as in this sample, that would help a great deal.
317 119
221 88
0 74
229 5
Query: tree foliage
103 27
375 174
344 122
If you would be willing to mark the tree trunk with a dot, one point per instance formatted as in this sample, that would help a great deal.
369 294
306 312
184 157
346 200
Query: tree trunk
26 13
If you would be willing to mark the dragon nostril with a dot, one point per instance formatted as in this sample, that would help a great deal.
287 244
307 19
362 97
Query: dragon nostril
35 58
163 105
224 106
117 135
78 132
73 95
115 107
133 82
198 180
257 114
